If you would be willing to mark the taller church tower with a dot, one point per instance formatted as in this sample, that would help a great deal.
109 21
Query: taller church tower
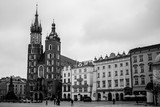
35 50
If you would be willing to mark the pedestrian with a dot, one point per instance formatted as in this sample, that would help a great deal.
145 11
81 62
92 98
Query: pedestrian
58 102
71 102
46 102
55 101
113 101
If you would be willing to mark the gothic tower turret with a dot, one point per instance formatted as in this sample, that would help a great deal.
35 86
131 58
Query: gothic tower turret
52 61
35 50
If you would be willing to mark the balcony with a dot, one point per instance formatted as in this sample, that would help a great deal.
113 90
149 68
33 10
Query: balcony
80 86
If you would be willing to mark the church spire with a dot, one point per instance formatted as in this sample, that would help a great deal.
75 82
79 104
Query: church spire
36 16
36 27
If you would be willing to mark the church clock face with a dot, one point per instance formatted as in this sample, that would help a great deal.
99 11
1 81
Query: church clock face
35 39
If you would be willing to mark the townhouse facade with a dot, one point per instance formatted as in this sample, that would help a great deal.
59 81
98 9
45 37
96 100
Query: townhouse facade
112 77
142 59
66 82
82 80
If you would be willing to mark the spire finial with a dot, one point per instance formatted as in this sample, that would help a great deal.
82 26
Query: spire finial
53 26
36 9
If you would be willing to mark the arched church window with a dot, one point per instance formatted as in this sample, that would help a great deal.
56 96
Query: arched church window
41 71
58 47
50 47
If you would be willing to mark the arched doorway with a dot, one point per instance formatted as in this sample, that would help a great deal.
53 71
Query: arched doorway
40 96
64 96
36 96
81 97
109 97
121 96
117 97
99 96
69 96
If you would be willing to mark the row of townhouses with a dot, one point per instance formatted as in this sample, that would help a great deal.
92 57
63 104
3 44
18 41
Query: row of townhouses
111 77
18 83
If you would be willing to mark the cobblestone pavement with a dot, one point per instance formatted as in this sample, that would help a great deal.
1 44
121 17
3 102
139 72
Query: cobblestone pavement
76 104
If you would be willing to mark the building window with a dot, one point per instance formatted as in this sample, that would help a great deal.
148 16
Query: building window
109 74
50 47
136 80
75 77
69 88
52 55
80 83
104 84
115 65
64 80
127 82
85 89
98 84
80 89
97 68
98 75
79 70
85 70
103 74
134 59
109 66
47 76
75 83
116 83
126 63
142 80
85 82
121 64
135 69
57 56
149 57
151 77
103 67
57 47
109 83
121 83
116 73
127 72
121 74
68 74
74 71
140 58
75 89
85 76
142 68
68 80
49 56
64 74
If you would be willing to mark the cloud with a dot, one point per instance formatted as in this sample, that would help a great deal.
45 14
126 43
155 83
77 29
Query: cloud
123 27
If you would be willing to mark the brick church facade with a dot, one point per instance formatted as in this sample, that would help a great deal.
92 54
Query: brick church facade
44 67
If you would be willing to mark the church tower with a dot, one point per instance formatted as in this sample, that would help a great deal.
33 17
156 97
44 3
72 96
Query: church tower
52 61
35 49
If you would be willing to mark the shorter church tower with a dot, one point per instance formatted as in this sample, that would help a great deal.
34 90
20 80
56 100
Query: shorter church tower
52 61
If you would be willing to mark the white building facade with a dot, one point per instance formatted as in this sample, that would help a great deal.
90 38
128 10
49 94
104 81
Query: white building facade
113 77
82 80
66 82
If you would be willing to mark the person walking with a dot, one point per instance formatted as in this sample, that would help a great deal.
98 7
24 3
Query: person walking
113 101
46 101
55 101
71 102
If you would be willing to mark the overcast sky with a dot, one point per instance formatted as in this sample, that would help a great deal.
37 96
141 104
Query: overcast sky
87 28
